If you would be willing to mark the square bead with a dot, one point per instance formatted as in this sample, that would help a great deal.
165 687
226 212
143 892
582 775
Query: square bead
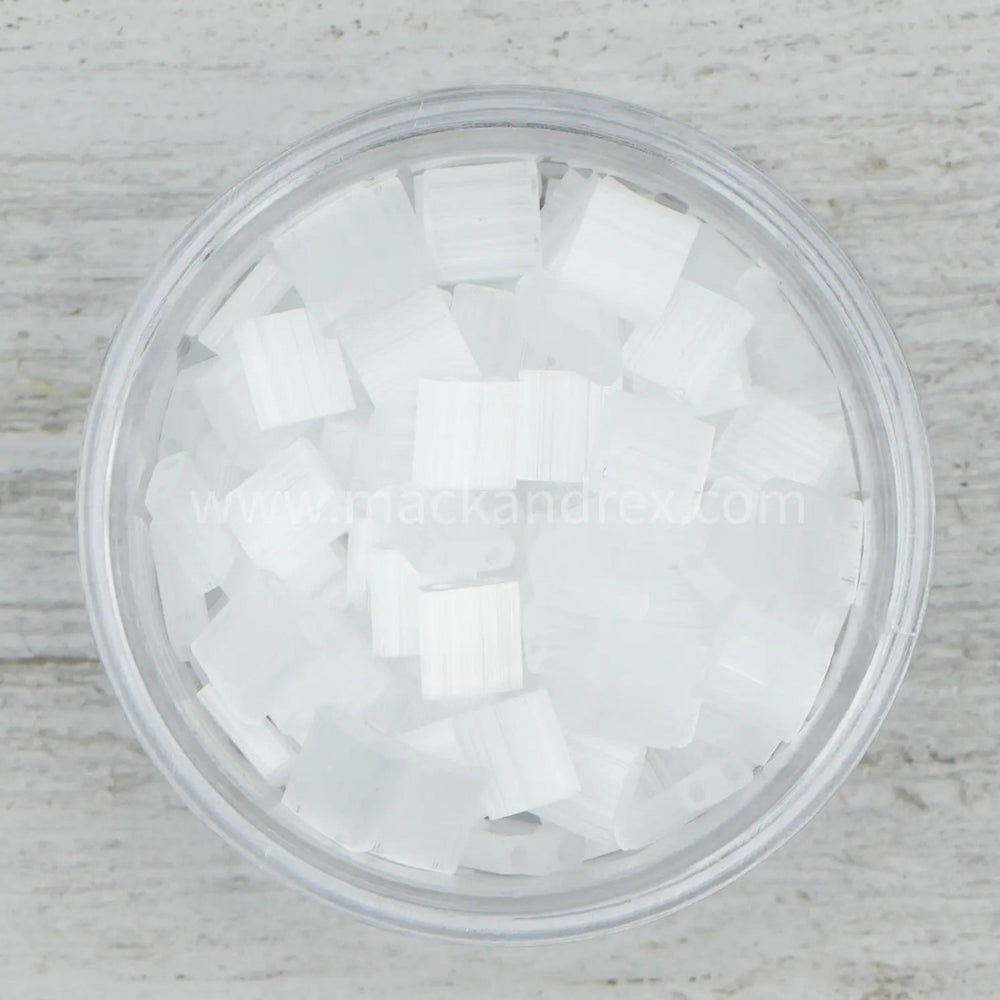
416 337
470 640
481 221
627 250
293 373
357 254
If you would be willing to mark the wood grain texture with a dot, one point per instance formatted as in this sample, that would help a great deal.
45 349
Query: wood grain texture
121 119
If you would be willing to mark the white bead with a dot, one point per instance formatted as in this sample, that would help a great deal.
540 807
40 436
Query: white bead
394 348
565 201
772 439
182 598
731 387
221 474
640 685
180 503
578 569
481 221
383 453
716 263
483 315
339 443
734 737
266 750
686 349
252 644
766 675
316 569
221 385
360 543
627 250
457 552
783 355
293 373
357 254
556 323
287 509
257 294
466 434
696 782
516 846
470 640
184 420
654 450
609 773
341 673
558 423
368 793
801 550
518 741
392 596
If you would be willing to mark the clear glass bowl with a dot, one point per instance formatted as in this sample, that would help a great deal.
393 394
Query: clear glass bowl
661 155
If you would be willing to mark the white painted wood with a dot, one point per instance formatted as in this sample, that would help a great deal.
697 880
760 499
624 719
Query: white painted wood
118 129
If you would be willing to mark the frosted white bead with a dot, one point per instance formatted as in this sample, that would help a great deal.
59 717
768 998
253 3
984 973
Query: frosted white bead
342 673
458 552
783 356
266 750
483 315
766 675
251 646
180 504
734 737
316 568
383 455
577 569
221 386
358 253
731 387
771 438
466 434
802 550
258 293
287 509
480 221
470 640
608 772
520 743
360 543
221 473
640 685
554 322
515 846
394 348
716 263
184 420
556 642
338 443
182 599
558 422
293 373
627 250
695 784
565 201
686 349
392 596
653 449
368 793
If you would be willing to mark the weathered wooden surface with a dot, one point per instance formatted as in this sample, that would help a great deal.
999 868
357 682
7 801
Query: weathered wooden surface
120 119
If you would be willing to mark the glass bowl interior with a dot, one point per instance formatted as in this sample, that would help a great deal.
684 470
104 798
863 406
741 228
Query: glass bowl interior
661 157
